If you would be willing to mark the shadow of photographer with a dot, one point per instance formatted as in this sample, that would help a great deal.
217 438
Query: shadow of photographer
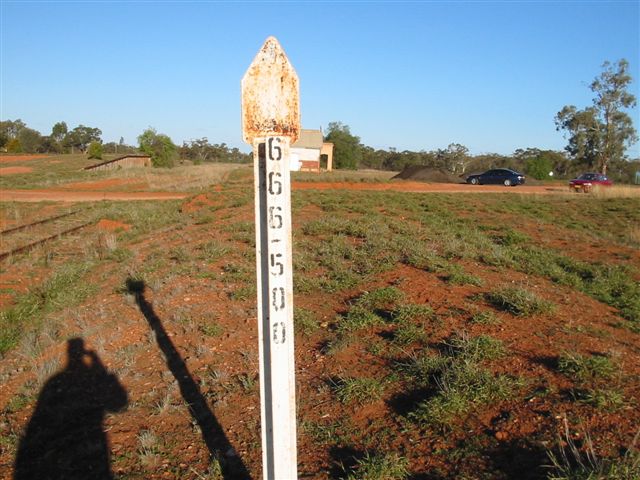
65 437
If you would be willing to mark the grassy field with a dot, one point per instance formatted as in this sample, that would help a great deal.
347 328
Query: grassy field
438 336
61 170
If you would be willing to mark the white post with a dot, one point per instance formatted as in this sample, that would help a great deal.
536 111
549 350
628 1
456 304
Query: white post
271 121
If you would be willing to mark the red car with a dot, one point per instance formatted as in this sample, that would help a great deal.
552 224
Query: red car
586 182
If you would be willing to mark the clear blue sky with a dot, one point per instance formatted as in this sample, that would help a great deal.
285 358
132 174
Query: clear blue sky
410 75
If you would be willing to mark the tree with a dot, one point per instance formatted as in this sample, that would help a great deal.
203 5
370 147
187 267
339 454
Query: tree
9 131
454 159
30 140
198 150
95 150
347 151
159 147
13 146
81 136
59 131
599 134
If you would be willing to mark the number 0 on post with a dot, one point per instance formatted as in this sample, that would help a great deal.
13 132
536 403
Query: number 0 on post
271 122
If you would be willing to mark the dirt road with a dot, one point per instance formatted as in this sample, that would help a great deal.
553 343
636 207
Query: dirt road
84 196
81 195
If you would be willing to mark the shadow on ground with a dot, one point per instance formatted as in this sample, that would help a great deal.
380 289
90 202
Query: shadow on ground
65 437
212 433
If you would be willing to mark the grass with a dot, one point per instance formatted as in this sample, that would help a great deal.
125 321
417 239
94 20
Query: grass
338 432
380 466
519 301
583 463
484 317
56 170
596 379
358 318
346 243
457 276
65 288
457 380
211 329
608 399
357 390
586 368
305 321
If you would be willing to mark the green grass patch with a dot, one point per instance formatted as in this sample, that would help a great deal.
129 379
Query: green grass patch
380 466
456 380
357 390
211 329
66 287
484 317
456 275
358 318
380 299
519 302
305 321
586 368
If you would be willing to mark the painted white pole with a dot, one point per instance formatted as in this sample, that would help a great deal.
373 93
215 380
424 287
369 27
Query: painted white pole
271 122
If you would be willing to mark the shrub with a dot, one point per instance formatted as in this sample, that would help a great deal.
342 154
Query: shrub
95 150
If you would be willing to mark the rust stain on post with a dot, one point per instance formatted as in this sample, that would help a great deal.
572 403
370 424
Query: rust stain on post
270 95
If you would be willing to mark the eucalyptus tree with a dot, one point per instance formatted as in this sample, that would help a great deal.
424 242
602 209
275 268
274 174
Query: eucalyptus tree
598 135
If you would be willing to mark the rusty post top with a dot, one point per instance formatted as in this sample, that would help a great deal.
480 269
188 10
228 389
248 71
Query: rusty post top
270 95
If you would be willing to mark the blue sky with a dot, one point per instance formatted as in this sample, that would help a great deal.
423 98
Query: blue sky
410 75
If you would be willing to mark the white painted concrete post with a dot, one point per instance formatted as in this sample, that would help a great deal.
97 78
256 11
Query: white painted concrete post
271 122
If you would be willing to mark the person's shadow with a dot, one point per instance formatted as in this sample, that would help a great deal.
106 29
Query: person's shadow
212 432
65 438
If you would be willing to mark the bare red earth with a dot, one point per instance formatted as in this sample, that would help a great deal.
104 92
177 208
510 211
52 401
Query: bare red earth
20 158
15 170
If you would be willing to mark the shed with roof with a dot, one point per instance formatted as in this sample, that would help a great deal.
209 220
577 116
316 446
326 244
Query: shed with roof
309 153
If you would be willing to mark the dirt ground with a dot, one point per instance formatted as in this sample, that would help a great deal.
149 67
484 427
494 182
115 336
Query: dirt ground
84 196
147 367
20 158
15 170
91 191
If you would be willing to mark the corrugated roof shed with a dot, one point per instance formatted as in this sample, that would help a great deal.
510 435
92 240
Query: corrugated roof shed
309 139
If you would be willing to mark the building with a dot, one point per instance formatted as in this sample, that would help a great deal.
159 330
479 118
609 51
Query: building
310 153
126 161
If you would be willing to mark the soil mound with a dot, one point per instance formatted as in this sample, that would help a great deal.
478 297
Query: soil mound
421 173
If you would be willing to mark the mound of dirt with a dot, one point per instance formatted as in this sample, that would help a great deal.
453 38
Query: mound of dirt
421 173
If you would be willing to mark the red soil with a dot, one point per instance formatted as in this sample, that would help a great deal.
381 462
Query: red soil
14 170
20 158
68 196
196 203
112 225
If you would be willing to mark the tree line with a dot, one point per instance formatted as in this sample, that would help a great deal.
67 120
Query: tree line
17 137
597 136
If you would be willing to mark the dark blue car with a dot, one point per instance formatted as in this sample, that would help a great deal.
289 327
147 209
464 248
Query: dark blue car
497 176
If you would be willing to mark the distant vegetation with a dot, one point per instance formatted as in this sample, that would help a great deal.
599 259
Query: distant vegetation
597 139
16 137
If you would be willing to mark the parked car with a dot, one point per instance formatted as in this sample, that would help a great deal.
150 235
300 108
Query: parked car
586 182
502 176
